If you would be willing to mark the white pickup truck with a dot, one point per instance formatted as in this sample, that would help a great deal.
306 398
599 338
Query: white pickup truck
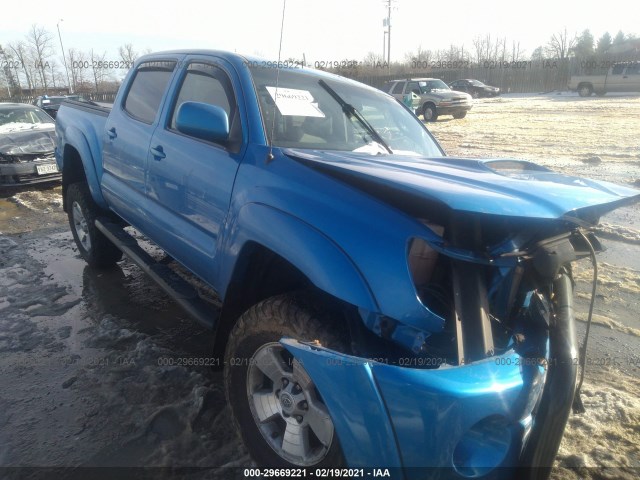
621 77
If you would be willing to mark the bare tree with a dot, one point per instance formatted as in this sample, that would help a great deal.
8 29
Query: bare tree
42 48
485 49
99 68
6 73
127 54
516 53
78 66
560 44
421 56
21 55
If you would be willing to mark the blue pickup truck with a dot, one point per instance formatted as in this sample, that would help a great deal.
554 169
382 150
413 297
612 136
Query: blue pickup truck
381 304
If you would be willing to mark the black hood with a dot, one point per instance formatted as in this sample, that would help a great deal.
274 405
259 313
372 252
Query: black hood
25 142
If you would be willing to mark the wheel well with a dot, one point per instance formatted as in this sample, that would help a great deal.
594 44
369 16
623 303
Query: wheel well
259 274
72 171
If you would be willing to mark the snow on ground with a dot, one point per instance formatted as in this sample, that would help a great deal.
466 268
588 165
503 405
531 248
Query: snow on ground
98 361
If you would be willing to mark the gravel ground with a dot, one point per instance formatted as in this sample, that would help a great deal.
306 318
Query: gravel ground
94 360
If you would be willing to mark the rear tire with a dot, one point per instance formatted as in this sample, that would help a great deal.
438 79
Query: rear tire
96 249
460 115
270 394
585 90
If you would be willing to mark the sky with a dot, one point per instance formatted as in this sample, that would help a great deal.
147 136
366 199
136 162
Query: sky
326 30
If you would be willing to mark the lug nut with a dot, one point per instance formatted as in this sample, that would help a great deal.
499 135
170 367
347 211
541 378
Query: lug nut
304 405
299 418
285 382
297 388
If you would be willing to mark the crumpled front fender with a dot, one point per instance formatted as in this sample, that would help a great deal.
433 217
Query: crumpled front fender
464 420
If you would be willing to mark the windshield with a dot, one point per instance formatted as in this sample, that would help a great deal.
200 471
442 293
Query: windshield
309 116
428 85
23 117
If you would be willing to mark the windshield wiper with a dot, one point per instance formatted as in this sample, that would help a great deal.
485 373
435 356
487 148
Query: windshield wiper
351 111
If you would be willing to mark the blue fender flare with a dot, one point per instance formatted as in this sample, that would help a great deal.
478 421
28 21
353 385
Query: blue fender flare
77 140
317 256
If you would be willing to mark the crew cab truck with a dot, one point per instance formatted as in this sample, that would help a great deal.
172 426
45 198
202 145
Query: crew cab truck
382 305
621 77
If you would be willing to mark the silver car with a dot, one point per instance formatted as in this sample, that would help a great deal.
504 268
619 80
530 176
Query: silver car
430 97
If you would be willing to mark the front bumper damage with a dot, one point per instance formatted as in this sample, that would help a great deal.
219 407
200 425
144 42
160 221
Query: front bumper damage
28 172
452 422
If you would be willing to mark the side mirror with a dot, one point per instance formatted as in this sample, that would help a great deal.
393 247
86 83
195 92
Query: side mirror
204 121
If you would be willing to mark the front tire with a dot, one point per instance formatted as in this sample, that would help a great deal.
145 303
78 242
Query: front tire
96 249
277 409
429 112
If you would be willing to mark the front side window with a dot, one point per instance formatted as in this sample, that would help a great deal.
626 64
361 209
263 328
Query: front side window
308 116
617 70
205 84
147 89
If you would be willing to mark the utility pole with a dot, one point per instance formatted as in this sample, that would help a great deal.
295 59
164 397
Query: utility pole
64 59
389 35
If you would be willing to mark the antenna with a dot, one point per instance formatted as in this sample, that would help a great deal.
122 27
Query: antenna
275 100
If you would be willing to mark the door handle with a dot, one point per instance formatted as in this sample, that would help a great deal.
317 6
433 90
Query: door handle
112 133
158 153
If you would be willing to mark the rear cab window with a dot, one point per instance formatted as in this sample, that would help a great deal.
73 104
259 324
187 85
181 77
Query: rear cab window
144 97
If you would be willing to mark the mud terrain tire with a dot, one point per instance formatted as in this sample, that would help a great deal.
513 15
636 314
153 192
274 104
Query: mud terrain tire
96 249
258 331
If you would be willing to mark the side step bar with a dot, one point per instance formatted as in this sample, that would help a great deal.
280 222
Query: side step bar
180 290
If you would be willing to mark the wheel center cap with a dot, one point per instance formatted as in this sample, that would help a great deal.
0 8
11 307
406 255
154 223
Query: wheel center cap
286 402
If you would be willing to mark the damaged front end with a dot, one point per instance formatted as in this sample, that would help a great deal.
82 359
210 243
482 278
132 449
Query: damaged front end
27 157
482 385
489 393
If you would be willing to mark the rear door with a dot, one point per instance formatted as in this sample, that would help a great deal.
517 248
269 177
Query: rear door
127 136
615 82
397 89
190 180
631 78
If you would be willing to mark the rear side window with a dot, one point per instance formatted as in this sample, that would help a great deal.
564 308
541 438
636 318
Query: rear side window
148 86
398 88
617 70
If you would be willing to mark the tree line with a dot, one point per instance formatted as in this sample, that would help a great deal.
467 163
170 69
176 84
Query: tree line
34 65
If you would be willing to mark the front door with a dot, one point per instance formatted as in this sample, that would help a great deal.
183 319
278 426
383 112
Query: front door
190 180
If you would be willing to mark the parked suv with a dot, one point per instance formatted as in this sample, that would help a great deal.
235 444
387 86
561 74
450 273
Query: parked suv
436 98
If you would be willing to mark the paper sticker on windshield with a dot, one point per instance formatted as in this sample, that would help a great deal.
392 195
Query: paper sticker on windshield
291 101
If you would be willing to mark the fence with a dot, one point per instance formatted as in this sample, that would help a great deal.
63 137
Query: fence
514 77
